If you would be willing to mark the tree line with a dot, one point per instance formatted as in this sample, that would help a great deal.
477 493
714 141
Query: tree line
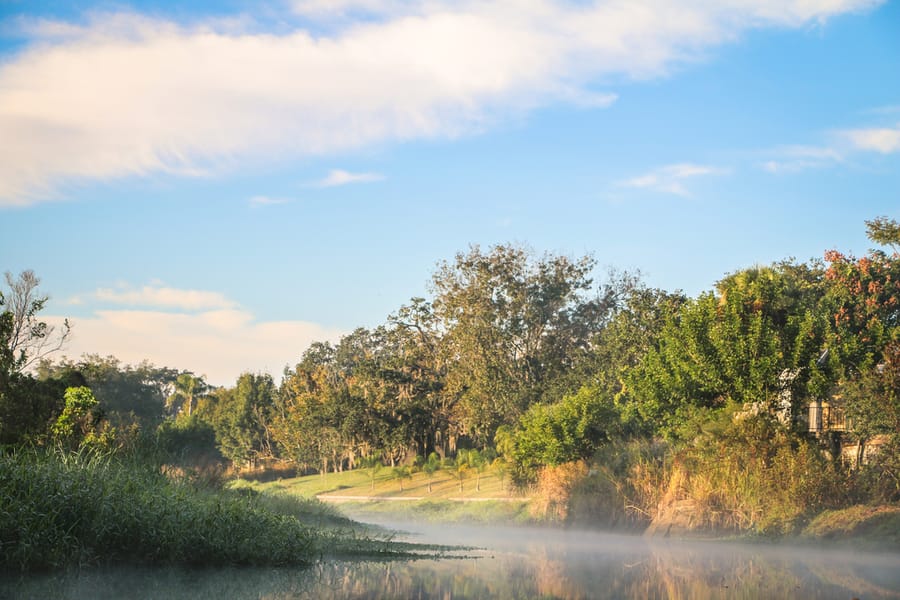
522 355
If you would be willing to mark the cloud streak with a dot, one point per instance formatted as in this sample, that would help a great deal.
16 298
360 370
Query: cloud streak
671 179
841 146
165 297
126 95
338 177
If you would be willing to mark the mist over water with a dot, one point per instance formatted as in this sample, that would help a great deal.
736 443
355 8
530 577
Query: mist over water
513 562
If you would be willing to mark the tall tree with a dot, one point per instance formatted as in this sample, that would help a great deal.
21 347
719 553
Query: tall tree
512 324
188 388
244 417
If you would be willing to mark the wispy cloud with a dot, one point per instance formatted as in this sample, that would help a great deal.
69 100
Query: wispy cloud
671 179
338 177
791 159
841 146
164 297
129 95
885 140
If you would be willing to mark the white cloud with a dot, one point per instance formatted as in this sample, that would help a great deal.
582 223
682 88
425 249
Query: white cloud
842 145
160 296
885 140
337 177
126 95
670 178
199 330
790 159
219 344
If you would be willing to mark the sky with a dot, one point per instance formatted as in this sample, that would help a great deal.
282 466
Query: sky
213 186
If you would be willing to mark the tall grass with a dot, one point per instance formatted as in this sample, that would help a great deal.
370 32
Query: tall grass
59 510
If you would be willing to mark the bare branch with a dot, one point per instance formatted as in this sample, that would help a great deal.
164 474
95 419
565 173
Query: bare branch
30 339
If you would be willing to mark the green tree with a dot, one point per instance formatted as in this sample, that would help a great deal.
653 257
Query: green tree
400 473
884 231
756 337
187 389
864 341
458 468
81 422
430 467
572 429
27 407
512 324
372 465
243 419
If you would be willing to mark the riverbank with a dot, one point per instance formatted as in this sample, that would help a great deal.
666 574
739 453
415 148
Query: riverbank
366 495
60 510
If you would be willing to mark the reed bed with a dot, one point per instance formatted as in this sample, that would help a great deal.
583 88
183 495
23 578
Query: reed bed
67 510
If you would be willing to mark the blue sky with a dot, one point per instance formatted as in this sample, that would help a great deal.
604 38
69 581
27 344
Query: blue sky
214 188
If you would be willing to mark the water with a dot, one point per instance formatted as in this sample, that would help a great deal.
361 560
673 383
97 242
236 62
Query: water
514 563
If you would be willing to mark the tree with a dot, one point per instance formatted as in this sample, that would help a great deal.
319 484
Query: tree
26 406
186 387
430 467
81 422
27 339
244 417
512 324
400 473
759 333
884 231
128 394
572 429
372 465
864 340
479 463
458 468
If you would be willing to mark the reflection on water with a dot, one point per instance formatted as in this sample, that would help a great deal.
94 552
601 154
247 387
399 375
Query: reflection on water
515 563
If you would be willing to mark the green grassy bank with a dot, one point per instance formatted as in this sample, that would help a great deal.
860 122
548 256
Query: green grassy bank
63 510
482 498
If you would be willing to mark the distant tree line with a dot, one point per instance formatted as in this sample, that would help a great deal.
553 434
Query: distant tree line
522 355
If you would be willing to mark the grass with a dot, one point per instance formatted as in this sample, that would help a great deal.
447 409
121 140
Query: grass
488 500
877 526
62 510
358 483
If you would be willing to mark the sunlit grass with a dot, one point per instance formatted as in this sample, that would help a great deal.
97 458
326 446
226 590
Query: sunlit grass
487 500
358 482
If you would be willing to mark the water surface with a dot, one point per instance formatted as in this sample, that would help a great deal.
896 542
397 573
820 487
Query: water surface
513 563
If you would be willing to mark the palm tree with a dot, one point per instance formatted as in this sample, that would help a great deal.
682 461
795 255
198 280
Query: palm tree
186 387
372 465
430 467
401 473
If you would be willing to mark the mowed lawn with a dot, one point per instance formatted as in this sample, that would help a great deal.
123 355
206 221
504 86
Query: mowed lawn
384 484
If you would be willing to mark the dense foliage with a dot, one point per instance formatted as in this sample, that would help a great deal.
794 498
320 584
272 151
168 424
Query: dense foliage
527 359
